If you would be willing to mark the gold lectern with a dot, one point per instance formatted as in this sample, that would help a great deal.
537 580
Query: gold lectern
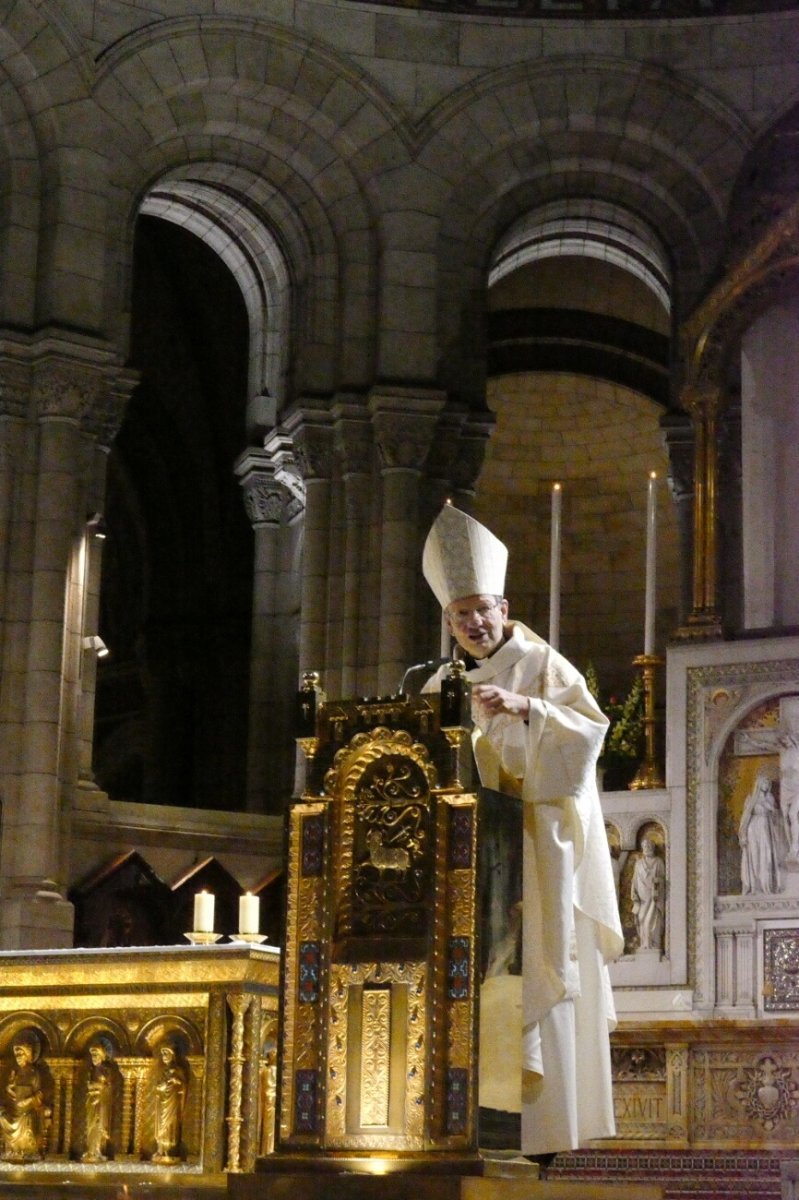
378 1041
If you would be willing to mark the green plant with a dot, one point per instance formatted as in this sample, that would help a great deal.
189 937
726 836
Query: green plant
625 735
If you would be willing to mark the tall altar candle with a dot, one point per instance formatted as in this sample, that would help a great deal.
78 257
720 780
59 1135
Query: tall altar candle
651 572
249 913
554 568
204 912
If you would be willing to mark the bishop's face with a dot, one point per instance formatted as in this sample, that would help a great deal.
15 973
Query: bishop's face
477 623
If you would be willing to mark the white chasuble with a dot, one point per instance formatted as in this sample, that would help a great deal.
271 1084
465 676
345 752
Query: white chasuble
571 927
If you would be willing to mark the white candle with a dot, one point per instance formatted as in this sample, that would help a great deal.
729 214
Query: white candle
204 912
445 643
651 549
445 638
249 913
554 569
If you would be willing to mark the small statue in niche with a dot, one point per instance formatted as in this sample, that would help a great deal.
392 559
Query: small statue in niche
762 840
24 1106
648 893
268 1098
170 1098
99 1101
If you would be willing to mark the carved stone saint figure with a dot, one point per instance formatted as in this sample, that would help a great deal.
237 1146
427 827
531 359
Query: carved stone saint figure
23 1106
648 892
170 1098
99 1101
761 838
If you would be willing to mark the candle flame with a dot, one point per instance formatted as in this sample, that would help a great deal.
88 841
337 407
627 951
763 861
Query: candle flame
653 474
556 487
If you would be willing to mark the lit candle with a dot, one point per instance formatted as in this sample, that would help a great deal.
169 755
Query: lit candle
204 912
249 913
554 569
651 547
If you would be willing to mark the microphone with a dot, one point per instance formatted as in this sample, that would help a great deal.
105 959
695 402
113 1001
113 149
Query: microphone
432 664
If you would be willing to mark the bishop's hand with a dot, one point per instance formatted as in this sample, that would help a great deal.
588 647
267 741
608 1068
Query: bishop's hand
492 701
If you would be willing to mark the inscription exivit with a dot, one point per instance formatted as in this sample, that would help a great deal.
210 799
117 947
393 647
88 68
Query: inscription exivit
639 1108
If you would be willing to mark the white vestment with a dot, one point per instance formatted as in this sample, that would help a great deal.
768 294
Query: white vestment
571 927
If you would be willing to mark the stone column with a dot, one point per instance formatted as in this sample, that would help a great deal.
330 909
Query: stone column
725 968
14 389
745 968
312 436
69 400
360 618
100 424
404 426
274 497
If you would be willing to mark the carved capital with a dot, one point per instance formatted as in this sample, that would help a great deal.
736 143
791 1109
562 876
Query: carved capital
80 384
679 437
311 435
354 443
404 425
470 457
103 418
267 498
701 399
280 450
64 389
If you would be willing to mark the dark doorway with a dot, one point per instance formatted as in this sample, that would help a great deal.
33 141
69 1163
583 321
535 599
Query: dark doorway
176 591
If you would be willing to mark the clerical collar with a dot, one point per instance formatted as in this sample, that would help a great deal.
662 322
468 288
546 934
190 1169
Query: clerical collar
471 663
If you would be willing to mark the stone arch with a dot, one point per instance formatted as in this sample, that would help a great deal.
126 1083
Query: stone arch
240 234
748 703
767 182
60 213
527 136
311 128
19 207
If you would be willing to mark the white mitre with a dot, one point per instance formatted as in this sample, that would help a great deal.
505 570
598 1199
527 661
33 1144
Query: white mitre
463 558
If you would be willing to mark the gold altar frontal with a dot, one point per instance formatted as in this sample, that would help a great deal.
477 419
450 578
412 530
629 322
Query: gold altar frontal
217 1006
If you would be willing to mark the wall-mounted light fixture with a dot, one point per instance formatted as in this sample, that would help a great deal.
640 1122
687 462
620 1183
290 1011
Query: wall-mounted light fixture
95 523
96 644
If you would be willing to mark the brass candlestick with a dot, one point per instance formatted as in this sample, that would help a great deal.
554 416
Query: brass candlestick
455 715
648 774
310 701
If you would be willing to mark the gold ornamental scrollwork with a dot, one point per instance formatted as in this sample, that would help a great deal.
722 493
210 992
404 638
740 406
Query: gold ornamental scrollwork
347 985
349 764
